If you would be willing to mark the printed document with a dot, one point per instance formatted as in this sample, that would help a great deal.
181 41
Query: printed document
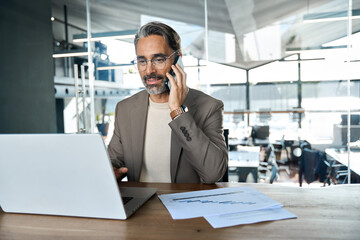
225 206
233 219
215 202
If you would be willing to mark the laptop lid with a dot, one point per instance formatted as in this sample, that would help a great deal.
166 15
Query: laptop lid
58 174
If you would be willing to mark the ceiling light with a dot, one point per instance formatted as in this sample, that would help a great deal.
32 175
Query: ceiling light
354 38
127 34
299 50
330 16
302 60
70 54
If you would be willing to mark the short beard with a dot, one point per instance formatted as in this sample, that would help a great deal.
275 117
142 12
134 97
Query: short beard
155 89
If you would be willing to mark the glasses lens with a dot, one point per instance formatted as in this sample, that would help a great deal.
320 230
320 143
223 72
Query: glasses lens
140 64
159 62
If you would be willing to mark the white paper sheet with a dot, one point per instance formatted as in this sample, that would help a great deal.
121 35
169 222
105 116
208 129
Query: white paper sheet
233 219
216 202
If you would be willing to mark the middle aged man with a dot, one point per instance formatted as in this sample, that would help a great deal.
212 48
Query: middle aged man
162 135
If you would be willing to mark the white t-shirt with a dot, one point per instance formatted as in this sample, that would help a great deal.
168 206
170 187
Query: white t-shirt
156 165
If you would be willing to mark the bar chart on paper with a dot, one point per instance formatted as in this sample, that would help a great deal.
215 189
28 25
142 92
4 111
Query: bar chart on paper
215 202
205 199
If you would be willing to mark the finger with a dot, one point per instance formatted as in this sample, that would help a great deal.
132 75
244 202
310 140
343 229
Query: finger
180 69
179 77
184 80
120 171
172 80
183 73
117 174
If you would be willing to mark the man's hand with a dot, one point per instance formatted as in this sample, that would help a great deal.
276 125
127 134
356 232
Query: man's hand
120 171
178 88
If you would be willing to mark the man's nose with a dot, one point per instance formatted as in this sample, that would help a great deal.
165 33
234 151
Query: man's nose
150 68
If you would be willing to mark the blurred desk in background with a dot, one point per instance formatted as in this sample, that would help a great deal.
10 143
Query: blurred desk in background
244 163
234 143
342 157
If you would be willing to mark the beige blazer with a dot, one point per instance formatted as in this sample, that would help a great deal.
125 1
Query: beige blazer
198 149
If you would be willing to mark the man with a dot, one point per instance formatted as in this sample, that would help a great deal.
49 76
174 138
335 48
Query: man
155 138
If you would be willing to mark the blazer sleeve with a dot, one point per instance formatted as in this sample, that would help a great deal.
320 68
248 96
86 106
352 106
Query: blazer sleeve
115 148
203 141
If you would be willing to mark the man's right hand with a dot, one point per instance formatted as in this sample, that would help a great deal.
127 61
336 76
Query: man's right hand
120 171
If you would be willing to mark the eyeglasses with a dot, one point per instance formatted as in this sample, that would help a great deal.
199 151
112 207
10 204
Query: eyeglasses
159 62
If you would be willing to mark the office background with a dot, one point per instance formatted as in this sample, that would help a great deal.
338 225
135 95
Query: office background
292 66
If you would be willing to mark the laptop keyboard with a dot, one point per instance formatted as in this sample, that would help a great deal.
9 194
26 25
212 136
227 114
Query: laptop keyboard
125 200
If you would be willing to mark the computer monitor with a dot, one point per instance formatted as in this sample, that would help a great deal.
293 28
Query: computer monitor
354 119
354 134
260 132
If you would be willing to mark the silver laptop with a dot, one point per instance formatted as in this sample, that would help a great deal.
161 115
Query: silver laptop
63 174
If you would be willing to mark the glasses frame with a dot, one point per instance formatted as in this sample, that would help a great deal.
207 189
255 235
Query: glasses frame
135 62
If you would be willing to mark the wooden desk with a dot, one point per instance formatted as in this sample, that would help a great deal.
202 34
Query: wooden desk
342 157
323 213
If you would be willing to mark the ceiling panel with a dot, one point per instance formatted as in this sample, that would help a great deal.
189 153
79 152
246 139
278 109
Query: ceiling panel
250 21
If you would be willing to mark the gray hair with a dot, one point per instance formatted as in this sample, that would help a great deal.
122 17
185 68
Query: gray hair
157 28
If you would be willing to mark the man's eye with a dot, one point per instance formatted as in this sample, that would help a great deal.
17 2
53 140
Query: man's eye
141 61
159 60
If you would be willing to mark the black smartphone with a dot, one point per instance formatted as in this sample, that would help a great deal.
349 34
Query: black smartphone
177 60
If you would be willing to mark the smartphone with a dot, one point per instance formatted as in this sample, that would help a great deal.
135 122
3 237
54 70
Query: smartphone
177 60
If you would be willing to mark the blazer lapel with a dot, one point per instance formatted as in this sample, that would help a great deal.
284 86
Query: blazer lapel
137 126
175 146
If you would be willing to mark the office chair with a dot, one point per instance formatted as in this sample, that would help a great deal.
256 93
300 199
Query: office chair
273 164
269 167
307 165
337 172
313 166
